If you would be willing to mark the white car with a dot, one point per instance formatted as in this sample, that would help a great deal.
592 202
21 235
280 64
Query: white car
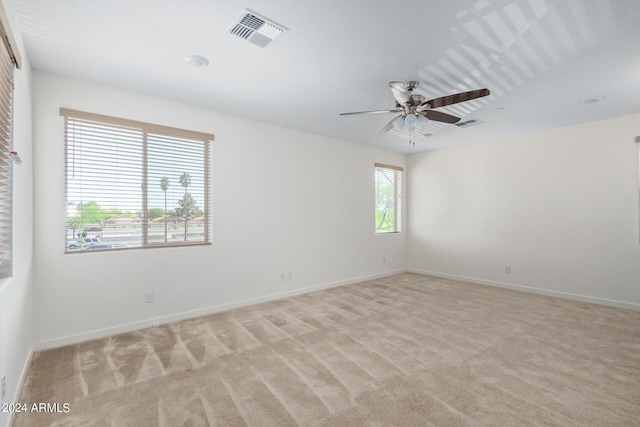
100 247
76 244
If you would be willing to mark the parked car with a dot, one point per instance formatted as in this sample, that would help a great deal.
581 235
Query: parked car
104 246
94 229
88 241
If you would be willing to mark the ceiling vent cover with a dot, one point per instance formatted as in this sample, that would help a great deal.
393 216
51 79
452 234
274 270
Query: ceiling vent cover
256 28
469 123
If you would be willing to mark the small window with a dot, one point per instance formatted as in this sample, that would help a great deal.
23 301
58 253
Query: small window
388 181
638 142
133 185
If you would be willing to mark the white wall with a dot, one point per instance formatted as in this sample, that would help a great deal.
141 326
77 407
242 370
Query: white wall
282 201
16 293
560 207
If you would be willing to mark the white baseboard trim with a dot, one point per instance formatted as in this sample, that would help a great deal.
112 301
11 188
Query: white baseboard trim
541 291
23 377
129 327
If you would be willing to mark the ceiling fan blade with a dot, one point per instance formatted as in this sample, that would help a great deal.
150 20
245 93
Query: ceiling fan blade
454 99
439 116
401 93
370 112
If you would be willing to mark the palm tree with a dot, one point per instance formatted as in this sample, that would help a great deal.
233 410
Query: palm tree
164 185
185 181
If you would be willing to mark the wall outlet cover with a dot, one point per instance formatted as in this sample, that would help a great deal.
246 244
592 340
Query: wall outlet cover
148 297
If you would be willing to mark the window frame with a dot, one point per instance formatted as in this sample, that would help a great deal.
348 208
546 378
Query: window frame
397 198
145 129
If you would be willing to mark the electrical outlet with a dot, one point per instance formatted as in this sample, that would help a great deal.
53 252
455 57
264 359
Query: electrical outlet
384 260
290 275
507 269
148 297
4 385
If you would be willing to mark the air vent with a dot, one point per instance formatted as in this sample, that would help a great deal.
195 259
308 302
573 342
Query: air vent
469 123
256 29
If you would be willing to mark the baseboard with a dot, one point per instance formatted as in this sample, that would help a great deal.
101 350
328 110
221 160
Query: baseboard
540 291
23 376
129 327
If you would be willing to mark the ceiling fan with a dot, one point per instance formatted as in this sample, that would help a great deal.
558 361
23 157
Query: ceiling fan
416 111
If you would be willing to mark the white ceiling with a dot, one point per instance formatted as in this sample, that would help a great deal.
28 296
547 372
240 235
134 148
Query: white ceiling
539 58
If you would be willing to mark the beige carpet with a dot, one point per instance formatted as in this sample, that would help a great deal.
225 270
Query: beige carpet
405 350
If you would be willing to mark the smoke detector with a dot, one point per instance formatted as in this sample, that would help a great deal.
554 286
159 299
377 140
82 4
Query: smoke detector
256 28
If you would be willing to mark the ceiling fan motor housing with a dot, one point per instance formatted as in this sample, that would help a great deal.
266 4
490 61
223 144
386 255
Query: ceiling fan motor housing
417 99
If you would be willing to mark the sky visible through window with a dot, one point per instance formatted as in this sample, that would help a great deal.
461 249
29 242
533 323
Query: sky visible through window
107 167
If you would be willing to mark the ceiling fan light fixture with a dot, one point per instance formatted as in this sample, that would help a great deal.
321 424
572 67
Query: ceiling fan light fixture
422 121
410 121
398 122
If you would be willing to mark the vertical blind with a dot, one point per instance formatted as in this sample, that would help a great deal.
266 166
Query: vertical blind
387 198
6 161
134 185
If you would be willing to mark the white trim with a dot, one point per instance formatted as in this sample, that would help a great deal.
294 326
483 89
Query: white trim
23 377
540 291
129 327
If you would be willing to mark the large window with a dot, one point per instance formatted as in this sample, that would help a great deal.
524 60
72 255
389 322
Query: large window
133 185
9 58
388 180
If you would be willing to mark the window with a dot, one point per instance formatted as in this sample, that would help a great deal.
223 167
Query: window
388 181
638 141
9 58
133 185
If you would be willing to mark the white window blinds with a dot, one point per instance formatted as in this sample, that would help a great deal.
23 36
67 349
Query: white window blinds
134 185
6 160
387 199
